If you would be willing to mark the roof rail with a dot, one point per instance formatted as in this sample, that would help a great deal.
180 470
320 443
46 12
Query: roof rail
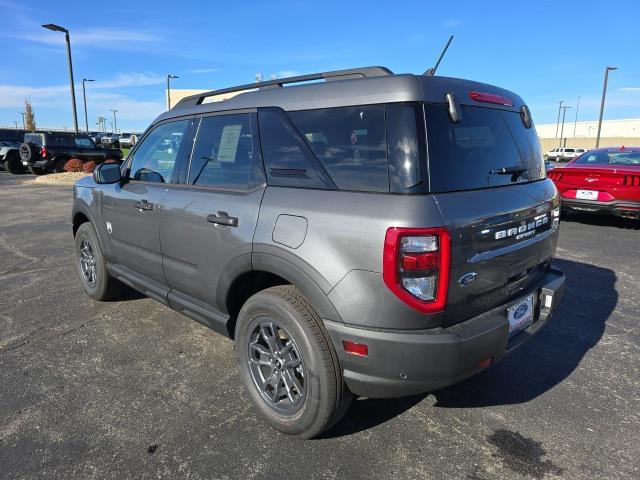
280 82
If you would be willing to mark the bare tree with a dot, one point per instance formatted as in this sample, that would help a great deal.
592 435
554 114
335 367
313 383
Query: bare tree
29 116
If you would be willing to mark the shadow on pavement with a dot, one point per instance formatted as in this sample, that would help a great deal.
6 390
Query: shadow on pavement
602 220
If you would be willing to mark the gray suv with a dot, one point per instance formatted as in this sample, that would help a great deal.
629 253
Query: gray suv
371 234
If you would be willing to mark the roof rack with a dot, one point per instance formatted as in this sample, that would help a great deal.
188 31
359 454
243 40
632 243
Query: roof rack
280 82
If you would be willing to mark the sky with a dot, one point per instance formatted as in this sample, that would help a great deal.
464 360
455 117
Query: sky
544 51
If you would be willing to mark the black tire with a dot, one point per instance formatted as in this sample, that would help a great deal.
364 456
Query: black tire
104 286
36 170
58 164
324 397
13 164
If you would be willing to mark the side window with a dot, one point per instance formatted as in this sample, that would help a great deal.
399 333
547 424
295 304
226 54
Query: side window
223 154
351 144
287 157
155 158
83 142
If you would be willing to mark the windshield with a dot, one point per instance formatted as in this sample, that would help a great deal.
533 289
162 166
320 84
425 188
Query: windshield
471 153
603 157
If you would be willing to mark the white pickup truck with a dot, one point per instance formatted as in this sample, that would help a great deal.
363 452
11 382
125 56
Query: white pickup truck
559 154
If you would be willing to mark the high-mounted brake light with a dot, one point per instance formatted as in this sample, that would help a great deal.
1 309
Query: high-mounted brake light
491 98
416 265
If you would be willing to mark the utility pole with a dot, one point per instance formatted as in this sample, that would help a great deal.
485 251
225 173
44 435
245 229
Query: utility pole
558 122
169 77
575 124
58 28
84 99
115 124
604 94
16 122
24 125
564 112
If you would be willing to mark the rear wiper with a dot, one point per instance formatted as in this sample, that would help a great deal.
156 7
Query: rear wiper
514 171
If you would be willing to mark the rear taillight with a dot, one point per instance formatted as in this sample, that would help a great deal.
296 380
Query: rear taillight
490 98
555 176
416 266
632 180
43 152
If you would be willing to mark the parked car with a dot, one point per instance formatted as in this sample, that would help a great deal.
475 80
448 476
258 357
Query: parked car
606 180
127 140
307 224
49 151
9 157
110 140
561 154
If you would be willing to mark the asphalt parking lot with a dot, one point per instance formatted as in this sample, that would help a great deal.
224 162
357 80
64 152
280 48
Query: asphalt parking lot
131 389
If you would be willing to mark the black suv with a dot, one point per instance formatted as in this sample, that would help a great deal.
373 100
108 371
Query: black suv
49 151
375 234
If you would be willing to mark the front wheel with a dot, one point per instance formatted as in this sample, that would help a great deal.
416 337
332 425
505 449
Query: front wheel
91 265
13 164
288 364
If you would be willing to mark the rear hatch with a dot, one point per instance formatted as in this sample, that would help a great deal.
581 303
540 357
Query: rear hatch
487 175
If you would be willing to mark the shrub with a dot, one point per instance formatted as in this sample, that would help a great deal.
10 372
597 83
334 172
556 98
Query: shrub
88 167
73 165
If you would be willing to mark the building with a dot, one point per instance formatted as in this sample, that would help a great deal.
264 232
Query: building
583 134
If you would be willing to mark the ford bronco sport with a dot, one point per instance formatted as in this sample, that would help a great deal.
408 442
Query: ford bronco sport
374 234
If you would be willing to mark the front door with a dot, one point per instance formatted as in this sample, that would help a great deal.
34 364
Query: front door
208 225
131 211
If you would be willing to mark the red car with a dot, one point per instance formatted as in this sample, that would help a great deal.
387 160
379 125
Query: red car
606 180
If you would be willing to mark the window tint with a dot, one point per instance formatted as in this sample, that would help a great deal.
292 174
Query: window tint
223 153
288 159
60 140
34 138
350 142
466 155
155 158
405 137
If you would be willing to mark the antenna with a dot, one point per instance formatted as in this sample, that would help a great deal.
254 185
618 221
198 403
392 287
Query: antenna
432 71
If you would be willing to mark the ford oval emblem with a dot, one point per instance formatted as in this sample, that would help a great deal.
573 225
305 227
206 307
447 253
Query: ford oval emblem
467 278
521 311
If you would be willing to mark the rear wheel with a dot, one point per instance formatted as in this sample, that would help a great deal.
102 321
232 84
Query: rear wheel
13 164
91 265
288 364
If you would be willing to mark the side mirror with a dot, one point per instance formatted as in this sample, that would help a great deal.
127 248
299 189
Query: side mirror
107 173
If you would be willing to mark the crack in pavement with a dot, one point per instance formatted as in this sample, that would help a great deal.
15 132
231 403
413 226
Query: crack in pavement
52 336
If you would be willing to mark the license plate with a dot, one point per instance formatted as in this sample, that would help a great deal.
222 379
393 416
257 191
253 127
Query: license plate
587 194
520 315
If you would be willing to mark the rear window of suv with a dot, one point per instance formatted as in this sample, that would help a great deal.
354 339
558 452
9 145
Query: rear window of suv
466 155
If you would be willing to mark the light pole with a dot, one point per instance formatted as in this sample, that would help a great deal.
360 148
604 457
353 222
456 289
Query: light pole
564 112
604 93
57 28
16 122
558 122
575 124
84 99
169 77
115 124
24 125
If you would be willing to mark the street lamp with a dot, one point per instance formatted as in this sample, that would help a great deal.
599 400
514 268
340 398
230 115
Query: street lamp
57 28
575 124
564 112
604 93
115 124
558 122
169 77
84 99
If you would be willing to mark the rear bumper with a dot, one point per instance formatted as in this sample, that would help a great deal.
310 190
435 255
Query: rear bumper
621 208
402 363
46 163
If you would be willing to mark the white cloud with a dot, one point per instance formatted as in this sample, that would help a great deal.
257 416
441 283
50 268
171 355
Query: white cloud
130 80
97 37
204 70
630 89
451 23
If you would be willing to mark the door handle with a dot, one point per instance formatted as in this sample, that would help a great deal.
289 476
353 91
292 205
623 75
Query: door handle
222 218
144 205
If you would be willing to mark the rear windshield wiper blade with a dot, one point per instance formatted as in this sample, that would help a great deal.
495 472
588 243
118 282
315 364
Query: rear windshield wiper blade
515 171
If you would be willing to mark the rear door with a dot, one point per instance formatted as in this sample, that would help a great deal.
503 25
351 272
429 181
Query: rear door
208 223
501 223
132 210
